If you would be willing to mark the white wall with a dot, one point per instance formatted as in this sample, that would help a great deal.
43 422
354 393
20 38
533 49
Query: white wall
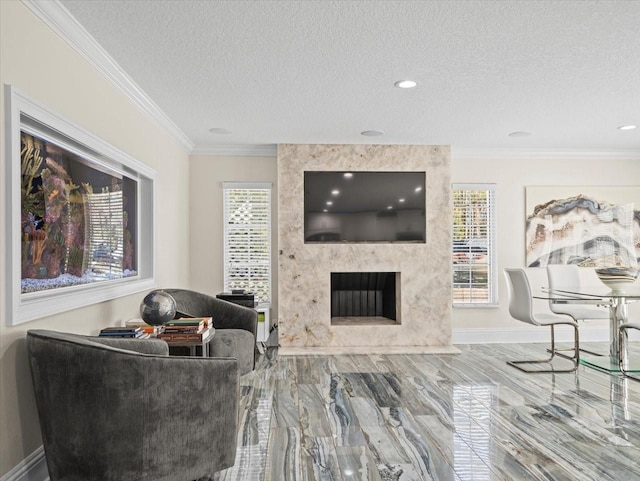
37 62
512 175
206 216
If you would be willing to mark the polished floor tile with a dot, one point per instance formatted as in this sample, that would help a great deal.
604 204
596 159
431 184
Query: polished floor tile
444 417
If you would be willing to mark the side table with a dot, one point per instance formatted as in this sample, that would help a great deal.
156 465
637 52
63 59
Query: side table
193 345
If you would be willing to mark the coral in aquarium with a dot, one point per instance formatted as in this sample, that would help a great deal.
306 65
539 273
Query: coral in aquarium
32 202
61 216
127 260
75 261
34 236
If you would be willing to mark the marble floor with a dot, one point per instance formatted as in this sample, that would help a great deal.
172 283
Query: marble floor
434 417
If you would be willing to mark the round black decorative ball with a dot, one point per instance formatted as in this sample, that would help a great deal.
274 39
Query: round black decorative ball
157 308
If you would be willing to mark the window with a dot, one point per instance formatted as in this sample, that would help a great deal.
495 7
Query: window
474 246
247 238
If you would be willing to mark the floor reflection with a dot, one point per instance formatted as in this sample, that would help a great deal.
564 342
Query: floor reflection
619 396
472 407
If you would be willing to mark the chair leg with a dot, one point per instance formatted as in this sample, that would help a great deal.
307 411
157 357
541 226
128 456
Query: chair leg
559 352
622 343
575 358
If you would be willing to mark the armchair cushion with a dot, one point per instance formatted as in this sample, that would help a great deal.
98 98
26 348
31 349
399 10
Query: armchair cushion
112 413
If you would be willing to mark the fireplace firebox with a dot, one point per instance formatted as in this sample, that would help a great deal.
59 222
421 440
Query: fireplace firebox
365 298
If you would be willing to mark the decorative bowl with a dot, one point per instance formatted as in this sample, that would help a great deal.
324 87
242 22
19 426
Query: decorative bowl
617 278
157 308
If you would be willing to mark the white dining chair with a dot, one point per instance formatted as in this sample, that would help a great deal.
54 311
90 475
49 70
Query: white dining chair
624 346
521 308
567 277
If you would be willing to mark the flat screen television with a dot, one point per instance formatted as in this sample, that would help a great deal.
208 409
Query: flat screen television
364 207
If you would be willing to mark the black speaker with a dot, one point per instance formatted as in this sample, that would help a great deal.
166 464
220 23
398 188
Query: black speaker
245 299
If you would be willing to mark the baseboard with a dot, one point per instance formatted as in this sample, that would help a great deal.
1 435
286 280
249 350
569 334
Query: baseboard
32 468
532 334
336 350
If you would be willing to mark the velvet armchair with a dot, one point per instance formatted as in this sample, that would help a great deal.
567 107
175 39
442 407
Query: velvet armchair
122 409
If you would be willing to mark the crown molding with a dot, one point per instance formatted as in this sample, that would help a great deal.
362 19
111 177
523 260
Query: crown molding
238 150
58 19
457 153
462 153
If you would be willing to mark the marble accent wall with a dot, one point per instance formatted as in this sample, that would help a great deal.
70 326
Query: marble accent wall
304 270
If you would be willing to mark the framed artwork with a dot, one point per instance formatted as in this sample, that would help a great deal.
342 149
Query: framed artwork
79 216
582 225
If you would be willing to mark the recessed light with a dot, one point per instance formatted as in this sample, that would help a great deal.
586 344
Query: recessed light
220 131
389 207
348 175
325 210
329 202
418 189
335 192
400 200
372 133
627 127
405 84
520 134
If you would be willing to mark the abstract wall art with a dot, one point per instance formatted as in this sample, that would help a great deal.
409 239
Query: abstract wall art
582 225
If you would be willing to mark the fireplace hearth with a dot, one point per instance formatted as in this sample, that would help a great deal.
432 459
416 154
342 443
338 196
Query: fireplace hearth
364 298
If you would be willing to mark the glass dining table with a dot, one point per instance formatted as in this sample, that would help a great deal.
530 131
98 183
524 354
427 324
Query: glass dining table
618 304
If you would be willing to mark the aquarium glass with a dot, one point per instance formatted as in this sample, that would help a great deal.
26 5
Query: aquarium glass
78 218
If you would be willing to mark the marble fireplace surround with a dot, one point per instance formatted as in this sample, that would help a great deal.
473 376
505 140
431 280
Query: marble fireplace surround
304 270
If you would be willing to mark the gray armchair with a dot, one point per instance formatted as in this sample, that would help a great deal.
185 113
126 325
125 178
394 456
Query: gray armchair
122 409
235 325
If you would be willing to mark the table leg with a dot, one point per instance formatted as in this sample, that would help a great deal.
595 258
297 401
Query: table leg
618 314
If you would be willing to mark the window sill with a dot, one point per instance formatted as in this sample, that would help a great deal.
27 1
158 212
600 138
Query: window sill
476 306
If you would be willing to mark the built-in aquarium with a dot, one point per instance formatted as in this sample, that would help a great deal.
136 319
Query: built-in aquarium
78 218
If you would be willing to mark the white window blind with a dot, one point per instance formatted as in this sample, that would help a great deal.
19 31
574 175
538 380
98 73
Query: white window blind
247 238
474 245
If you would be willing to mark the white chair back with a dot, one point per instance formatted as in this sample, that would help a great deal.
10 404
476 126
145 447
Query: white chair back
520 296
567 277
564 277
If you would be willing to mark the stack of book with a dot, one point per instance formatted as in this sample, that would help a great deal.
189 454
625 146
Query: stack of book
126 331
187 330
146 328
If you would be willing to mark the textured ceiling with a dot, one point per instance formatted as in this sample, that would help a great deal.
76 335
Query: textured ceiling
323 71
